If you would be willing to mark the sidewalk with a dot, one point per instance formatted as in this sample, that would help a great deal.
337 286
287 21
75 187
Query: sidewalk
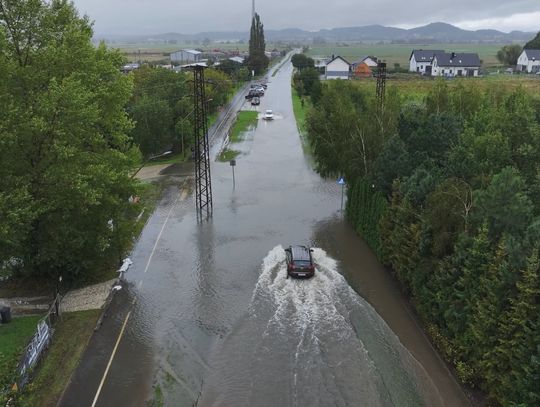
87 298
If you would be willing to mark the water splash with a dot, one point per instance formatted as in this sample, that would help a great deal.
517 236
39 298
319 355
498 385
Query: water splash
313 342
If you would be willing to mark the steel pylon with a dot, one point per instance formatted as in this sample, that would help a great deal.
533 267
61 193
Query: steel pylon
203 182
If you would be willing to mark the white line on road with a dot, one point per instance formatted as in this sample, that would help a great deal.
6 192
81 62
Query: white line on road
110 360
159 236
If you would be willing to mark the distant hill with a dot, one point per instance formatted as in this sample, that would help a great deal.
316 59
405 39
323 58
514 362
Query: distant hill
434 33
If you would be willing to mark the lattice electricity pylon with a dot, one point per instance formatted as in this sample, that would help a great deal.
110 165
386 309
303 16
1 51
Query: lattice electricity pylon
381 84
203 182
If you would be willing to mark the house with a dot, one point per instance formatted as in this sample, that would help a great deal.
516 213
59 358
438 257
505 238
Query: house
371 62
186 56
337 68
529 61
238 60
362 70
455 64
420 60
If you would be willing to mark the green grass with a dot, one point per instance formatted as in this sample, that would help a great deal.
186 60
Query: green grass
418 86
245 120
400 53
300 111
71 336
13 339
228 155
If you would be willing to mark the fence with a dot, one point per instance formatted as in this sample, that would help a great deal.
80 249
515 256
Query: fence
39 342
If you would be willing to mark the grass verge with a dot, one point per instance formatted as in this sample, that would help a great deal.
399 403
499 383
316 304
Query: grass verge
300 111
71 336
245 120
13 339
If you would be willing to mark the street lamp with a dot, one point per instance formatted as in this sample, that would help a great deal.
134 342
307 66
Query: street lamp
150 159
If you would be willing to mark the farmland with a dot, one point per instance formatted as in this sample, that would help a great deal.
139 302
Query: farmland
400 53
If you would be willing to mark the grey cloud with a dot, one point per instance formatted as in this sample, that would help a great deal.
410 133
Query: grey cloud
190 16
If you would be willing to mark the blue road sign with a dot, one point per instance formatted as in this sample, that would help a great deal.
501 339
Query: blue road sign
341 181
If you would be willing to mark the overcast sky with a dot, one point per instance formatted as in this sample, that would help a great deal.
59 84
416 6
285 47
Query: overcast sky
193 16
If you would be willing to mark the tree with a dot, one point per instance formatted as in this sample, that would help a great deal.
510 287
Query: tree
301 61
65 150
509 54
160 98
534 43
504 205
257 60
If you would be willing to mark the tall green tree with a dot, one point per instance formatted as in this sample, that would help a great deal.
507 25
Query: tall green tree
534 43
509 54
65 147
257 60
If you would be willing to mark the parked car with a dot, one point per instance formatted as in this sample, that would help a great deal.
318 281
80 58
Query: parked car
268 115
299 262
252 93
255 101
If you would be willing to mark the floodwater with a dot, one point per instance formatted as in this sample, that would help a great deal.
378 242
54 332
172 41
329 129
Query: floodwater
216 323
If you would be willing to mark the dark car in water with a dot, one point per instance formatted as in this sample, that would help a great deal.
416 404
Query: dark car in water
299 262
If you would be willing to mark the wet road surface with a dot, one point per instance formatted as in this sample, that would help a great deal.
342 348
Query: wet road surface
208 316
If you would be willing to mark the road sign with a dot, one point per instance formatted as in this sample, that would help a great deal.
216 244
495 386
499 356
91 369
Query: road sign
341 181
232 162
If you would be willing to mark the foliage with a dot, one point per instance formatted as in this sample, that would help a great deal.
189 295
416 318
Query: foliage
365 207
71 336
534 43
509 54
162 107
461 229
301 61
307 83
65 145
13 339
257 60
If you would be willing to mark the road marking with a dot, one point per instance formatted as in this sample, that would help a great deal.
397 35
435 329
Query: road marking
159 236
110 360
140 284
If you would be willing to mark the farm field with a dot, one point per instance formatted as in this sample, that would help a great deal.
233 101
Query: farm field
411 84
399 53
152 52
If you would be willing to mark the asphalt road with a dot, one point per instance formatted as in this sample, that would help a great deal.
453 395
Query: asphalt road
207 317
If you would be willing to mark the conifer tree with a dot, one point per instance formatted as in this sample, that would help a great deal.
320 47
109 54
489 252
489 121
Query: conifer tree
257 60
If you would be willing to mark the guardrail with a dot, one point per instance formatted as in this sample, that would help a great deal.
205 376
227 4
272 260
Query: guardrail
38 344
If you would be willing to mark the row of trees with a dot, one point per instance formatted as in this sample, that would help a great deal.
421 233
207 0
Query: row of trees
66 153
72 129
446 189
161 107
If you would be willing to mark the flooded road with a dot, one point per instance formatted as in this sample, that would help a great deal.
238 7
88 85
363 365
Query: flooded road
215 321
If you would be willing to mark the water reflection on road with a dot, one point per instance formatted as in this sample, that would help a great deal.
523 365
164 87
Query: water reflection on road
227 328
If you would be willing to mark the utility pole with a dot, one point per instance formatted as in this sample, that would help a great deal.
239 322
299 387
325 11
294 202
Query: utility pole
252 9
203 182
381 84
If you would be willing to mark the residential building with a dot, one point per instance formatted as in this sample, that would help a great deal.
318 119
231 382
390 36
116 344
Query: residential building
238 60
455 64
186 56
529 61
420 60
369 61
337 68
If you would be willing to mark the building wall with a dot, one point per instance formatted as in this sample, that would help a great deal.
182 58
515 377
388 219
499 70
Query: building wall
454 70
183 56
526 65
337 69
418 67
